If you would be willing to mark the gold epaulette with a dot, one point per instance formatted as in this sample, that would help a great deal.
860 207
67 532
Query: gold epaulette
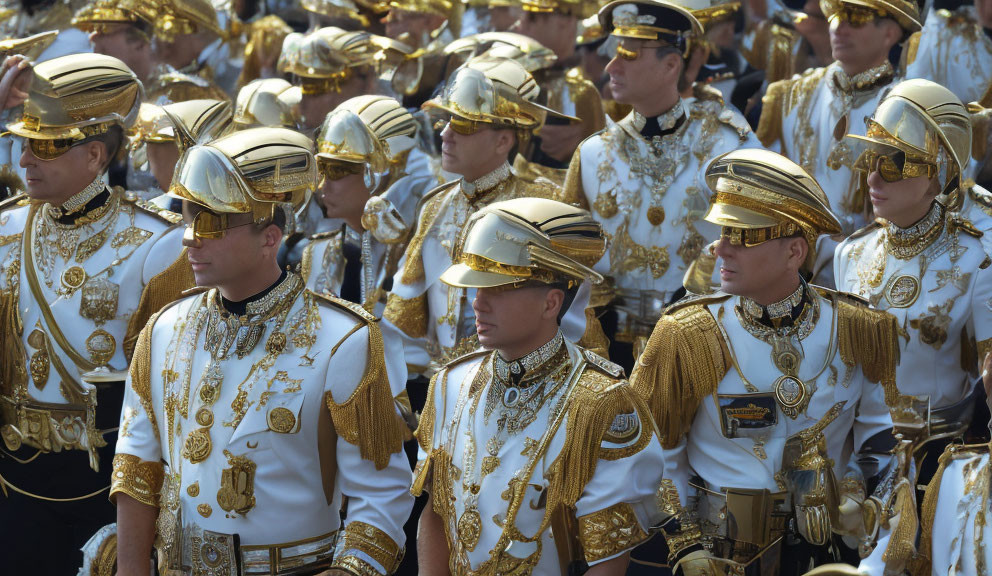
982 197
780 98
15 202
959 223
147 207
683 362
603 365
368 418
706 92
353 309
325 235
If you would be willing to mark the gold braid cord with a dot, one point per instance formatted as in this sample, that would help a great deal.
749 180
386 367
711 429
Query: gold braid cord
413 268
368 419
372 541
683 362
164 288
425 433
869 338
921 566
594 338
13 356
410 316
137 478
609 532
571 190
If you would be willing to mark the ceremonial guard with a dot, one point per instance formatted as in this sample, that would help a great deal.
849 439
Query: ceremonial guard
355 150
806 117
191 41
523 444
489 105
126 30
563 87
257 411
921 260
642 176
82 267
772 398
955 50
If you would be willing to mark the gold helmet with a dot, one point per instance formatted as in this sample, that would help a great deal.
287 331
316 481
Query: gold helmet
263 44
103 15
905 12
523 49
710 12
152 125
759 195
77 96
492 91
528 239
268 102
325 58
652 20
32 46
590 31
257 171
197 121
366 130
922 120
179 17
398 64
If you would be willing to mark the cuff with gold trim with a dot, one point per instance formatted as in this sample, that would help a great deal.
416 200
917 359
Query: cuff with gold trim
360 537
139 479
609 532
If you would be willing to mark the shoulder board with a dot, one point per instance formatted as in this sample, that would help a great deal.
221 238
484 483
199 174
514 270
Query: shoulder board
14 202
704 91
594 379
864 231
436 191
350 307
982 197
148 207
589 137
829 294
602 364
324 235
966 450
962 224
697 300
735 121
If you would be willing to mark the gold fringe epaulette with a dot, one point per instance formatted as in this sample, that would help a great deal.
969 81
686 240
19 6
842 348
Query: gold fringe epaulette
683 362
596 400
427 211
780 98
959 223
982 197
868 338
164 288
922 564
407 314
368 418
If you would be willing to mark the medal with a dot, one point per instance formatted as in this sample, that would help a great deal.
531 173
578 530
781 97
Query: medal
791 392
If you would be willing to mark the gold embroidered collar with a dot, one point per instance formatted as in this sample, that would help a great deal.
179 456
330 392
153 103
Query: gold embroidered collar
794 314
905 243
79 200
531 367
863 81
274 301
480 186
666 122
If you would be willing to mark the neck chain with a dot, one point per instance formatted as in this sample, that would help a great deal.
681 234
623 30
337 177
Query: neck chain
78 200
906 243
518 385
223 327
480 186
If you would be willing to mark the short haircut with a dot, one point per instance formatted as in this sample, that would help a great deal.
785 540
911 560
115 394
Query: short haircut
112 140
663 51
566 302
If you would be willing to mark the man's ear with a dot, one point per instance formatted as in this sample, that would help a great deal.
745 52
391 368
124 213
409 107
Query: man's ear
553 302
272 237
97 157
798 250
505 140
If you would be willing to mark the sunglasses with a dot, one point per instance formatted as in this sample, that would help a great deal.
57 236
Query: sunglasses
856 16
894 166
630 51
206 224
47 150
751 237
338 170
460 125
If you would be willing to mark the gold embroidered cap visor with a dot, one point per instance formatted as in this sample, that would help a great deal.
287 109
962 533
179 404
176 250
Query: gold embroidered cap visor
716 12
105 16
658 20
32 45
77 96
860 12
528 240
891 162
919 117
152 125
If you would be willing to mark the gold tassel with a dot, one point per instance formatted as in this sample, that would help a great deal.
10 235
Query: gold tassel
13 357
594 338
141 371
900 551
921 566
684 361
870 338
772 109
165 287
591 411
368 419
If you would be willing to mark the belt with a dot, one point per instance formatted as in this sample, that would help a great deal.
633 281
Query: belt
742 524
641 310
953 420
208 553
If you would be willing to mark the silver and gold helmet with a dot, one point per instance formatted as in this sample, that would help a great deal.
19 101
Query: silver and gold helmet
528 240
324 58
268 102
369 130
